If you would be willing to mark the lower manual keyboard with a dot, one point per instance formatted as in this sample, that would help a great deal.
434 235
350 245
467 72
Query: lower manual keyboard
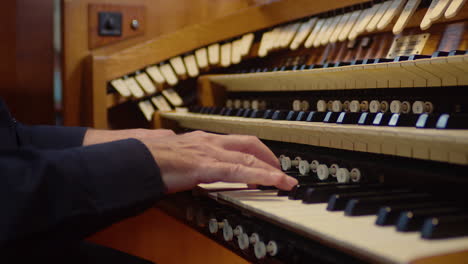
357 234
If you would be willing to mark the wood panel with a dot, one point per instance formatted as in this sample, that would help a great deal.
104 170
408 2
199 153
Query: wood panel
26 69
163 16
158 237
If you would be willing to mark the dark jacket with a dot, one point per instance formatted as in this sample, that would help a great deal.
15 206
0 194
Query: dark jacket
54 192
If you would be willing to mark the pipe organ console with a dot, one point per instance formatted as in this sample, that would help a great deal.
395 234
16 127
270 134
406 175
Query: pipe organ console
362 101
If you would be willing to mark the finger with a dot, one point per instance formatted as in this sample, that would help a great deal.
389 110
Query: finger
251 145
245 159
229 172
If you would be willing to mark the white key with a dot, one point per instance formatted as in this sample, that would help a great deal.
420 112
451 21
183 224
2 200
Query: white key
439 10
263 49
330 30
363 21
191 64
213 54
202 58
290 34
147 109
236 51
314 32
247 41
372 26
169 74
134 88
120 86
302 33
454 8
178 65
408 11
349 26
321 34
339 27
145 83
426 21
394 9
226 54
173 97
161 103
155 74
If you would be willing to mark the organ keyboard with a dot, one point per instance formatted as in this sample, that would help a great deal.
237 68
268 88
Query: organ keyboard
362 101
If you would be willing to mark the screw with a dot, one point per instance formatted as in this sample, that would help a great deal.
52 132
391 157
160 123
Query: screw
135 24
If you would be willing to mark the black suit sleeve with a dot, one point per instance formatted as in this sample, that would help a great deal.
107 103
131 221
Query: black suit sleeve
49 137
51 196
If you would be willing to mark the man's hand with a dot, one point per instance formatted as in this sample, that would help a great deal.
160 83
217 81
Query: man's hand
94 136
189 159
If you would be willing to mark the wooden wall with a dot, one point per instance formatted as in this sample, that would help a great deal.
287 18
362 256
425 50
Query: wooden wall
162 16
26 49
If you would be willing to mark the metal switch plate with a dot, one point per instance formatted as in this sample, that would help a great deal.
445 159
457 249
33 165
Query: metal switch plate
110 24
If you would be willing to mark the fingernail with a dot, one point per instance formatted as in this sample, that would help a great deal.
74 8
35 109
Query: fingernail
292 182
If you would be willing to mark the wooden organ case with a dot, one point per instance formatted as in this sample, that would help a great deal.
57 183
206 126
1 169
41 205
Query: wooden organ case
362 101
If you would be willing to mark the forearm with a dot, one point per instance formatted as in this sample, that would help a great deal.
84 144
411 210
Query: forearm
51 196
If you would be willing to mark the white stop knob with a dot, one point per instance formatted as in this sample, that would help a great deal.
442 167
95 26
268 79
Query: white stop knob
314 165
337 106
374 106
246 104
227 233
237 103
322 172
272 248
333 169
395 107
305 105
354 106
384 107
405 107
229 103
296 105
304 167
342 175
243 241
254 105
254 238
418 107
213 226
355 175
321 106
286 163
260 250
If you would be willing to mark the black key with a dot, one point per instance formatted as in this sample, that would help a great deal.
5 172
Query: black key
418 57
279 115
221 112
388 215
229 112
342 63
445 226
381 119
412 220
366 118
382 60
403 120
456 52
440 54
257 114
322 194
357 62
298 192
427 121
452 121
315 66
240 112
329 65
368 61
370 205
401 58
195 109
302 116
292 115
337 202
315 116
268 114
304 67
331 117
214 110
247 113
348 118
